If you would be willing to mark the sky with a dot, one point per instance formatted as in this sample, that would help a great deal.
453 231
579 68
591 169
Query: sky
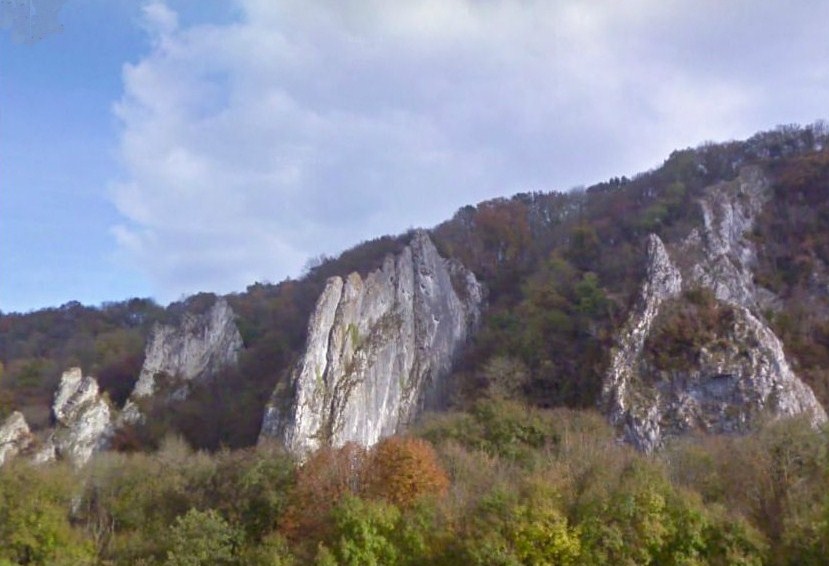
163 148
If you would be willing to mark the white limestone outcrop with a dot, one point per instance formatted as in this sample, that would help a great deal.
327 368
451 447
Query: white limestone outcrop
197 348
83 421
662 282
721 256
741 374
15 436
377 350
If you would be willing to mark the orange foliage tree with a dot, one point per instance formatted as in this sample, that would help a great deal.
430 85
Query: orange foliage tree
398 470
402 469
329 474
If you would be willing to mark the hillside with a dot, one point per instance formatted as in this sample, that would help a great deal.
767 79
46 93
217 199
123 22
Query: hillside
561 272
458 395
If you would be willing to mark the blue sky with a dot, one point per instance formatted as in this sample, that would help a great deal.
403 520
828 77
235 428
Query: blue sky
58 156
57 140
164 148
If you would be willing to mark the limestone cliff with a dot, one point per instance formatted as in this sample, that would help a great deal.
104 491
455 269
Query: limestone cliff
83 420
719 256
15 436
627 409
377 350
196 348
738 370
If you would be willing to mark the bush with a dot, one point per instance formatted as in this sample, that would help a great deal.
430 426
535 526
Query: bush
507 429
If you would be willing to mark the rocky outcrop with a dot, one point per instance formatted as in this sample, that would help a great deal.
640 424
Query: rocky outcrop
720 256
83 420
740 372
197 348
377 350
15 437
663 281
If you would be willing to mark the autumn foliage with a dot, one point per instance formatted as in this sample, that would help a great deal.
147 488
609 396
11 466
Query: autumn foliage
321 482
399 470
402 469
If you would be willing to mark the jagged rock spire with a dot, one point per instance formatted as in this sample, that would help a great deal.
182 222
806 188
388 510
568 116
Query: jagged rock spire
742 374
377 349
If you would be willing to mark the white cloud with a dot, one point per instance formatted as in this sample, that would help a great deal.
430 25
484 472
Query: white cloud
306 127
159 19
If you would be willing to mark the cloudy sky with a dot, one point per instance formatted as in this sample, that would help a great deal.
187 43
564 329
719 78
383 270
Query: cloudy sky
164 148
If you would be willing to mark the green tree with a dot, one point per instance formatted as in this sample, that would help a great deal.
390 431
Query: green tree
541 535
34 521
273 550
590 298
364 534
508 527
201 538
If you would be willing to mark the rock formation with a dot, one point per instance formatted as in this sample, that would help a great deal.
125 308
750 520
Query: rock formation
83 420
15 437
740 370
663 281
195 349
377 350
720 257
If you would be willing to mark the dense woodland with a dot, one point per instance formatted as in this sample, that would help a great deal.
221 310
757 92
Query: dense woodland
499 484
521 470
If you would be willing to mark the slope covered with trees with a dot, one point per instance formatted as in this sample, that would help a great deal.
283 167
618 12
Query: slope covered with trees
521 470
502 483
561 269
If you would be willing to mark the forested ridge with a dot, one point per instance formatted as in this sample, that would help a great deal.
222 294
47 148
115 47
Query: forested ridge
521 470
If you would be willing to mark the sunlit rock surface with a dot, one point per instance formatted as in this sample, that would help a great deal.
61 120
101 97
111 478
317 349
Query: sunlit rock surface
377 351
83 420
198 347
15 436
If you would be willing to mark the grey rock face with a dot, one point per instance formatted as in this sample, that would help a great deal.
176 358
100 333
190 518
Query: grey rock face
721 257
739 376
15 436
197 348
377 350
83 420
625 408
